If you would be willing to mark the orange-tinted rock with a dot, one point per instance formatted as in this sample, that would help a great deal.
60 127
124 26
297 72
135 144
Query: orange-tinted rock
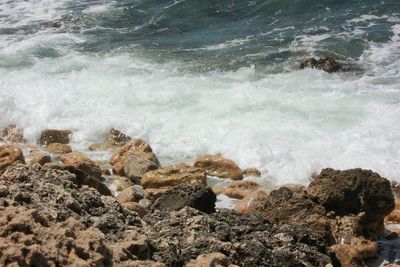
348 255
82 163
252 172
136 207
218 189
393 217
154 193
10 154
58 148
12 134
252 202
173 175
40 158
130 194
54 136
366 248
216 165
211 260
241 189
136 147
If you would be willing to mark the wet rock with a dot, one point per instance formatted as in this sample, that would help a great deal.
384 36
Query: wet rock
199 197
136 207
58 148
241 189
216 165
117 183
104 166
252 202
173 175
102 147
136 147
327 64
54 136
210 260
40 158
251 172
82 163
348 255
135 167
10 154
131 194
394 216
117 138
12 134
354 191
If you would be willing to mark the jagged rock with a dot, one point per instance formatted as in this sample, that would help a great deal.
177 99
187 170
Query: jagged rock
131 194
173 175
136 147
251 172
199 197
135 167
354 191
117 138
216 165
211 260
12 134
82 163
10 154
136 207
241 189
54 136
327 64
58 148
39 158
247 240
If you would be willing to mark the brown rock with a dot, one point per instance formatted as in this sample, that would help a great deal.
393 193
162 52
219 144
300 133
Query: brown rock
117 138
396 189
136 147
82 163
136 207
216 165
327 64
252 172
58 148
348 255
40 158
218 189
344 228
211 260
154 193
102 147
117 183
54 136
241 189
393 217
12 134
173 175
10 154
252 202
130 194
135 167
366 248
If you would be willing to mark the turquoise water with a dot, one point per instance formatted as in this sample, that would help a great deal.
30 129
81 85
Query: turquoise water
194 77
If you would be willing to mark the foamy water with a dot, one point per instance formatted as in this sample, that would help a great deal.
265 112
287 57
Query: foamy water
288 124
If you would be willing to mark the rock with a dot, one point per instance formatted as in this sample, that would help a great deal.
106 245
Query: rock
10 154
130 194
102 147
54 136
117 138
12 134
366 248
173 175
58 148
211 260
395 189
354 191
327 64
348 255
252 202
98 185
104 166
136 207
82 163
154 193
241 189
117 183
218 189
344 228
136 147
40 158
199 197
216 165
135 167
251 172
394 217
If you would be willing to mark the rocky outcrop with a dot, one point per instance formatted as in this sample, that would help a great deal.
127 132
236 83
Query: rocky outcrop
113 140
354 191
82 163
54 136
136 147
241 189
135 167
10 154
173 175
199 197
327 64
216 165
12 134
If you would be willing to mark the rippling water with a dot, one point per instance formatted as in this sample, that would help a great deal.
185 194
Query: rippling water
194 77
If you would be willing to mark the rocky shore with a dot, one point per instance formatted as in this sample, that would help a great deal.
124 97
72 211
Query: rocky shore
59 208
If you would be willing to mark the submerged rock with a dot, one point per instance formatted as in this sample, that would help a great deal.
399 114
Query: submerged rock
58 148
216 165
251 172
54 136
113 140
327 64
12 134
10 154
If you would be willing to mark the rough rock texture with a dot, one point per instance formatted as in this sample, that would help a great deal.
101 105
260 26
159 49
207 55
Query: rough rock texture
327 64
131 194
348 255
353 191
199 197
211 259
54 136
135 167
173 175
247 240
12 134
216 165
116 183
82 163
252 202
39 158
241 189
58 148
136 147
251 172
10 154
112 141
136 207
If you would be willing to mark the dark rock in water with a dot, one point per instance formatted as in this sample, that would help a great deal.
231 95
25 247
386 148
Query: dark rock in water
198 196
354 191
12 134
246 240
117 138
54 136
327 64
